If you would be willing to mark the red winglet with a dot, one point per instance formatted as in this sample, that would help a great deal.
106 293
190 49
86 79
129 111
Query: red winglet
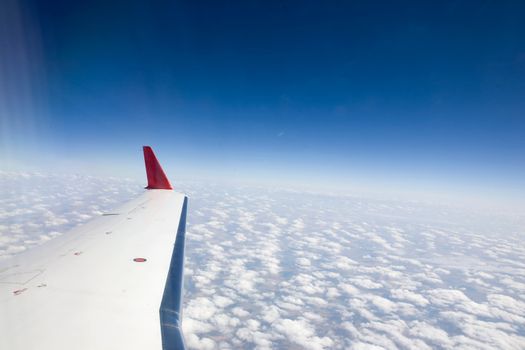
156 177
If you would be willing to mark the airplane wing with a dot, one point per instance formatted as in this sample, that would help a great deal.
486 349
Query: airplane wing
113 283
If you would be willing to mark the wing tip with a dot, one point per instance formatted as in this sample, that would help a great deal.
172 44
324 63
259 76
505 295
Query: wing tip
157 179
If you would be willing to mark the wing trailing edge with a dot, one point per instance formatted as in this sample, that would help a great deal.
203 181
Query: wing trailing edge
171 305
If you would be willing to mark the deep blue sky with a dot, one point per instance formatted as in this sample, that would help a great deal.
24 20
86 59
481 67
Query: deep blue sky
414 95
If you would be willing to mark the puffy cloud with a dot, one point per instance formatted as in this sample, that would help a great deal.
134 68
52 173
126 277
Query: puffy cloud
409 296
194 342
302 333
435 336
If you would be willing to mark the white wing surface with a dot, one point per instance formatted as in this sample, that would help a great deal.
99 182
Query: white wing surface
104 285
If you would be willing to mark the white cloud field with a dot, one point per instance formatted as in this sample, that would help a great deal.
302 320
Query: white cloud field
35 207
276 269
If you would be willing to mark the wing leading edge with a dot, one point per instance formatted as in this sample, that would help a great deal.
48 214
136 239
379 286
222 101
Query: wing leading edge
103 284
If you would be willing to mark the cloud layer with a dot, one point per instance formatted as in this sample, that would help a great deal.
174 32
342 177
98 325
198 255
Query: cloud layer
36 207
280 269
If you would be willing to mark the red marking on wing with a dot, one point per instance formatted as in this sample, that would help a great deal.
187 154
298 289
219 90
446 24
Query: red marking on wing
139 260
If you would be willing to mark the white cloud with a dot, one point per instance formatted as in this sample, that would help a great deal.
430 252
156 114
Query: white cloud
302 333
433 335
411 297
194 342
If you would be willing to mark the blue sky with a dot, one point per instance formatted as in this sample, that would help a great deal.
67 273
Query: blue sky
410 97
